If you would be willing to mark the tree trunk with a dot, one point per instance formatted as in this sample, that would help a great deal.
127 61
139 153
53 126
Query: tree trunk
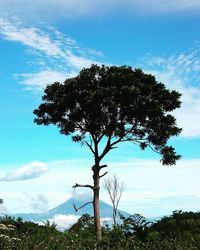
96 209
114 216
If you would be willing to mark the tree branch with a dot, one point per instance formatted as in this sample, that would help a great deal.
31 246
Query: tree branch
103 166
106 149
115 142
153 149
110 145
121 138
90 147
103 174
100 137
76 209
86 186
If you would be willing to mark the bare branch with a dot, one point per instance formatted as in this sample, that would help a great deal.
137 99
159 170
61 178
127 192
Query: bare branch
76 209
114 188
74 206
103 174
103 166
86 186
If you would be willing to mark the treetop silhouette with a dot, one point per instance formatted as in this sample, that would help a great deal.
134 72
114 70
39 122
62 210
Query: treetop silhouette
106 105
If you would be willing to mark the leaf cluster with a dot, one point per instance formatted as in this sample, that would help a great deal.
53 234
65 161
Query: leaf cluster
113 102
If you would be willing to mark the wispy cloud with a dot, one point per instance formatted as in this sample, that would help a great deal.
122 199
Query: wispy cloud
56 55
181 72
30 171
31 37
38 81
81 8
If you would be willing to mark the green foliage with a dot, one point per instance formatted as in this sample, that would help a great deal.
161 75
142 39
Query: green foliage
179 222
113 102
112 105
135 224
86 222
179 231
16 234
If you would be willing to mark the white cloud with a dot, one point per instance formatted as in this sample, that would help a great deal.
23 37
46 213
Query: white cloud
50 43
64 222
56 56
30 37
181 72
30 171
79 61
39 80
77 8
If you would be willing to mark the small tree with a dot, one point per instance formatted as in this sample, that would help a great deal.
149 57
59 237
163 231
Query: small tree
104 106
1 201
114 188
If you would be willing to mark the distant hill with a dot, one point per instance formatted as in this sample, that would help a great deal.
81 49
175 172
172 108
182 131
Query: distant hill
67 208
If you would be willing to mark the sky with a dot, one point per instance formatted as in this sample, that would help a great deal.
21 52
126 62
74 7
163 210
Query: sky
46 41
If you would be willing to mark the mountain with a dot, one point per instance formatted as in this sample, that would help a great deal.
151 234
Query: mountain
67 208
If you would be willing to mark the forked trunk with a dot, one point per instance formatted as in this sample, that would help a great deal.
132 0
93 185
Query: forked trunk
96 209
114 216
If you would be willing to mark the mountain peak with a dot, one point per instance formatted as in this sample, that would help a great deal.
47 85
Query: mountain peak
66 209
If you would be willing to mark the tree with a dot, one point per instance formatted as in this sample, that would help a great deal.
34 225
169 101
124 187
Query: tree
114 188
104 106
1 201
135 224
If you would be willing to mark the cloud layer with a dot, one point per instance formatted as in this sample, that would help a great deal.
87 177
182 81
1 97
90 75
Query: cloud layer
149 187
64 222
81 8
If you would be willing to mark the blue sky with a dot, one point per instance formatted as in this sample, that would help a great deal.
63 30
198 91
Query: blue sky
45 42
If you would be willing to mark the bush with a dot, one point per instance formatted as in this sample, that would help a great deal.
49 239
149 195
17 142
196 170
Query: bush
179 231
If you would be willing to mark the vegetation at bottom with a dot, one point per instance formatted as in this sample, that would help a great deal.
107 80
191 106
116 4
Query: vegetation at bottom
179 231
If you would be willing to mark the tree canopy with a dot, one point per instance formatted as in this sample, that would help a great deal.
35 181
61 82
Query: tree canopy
117 103
107 105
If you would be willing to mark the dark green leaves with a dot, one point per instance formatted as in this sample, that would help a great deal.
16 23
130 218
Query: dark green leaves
114 102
